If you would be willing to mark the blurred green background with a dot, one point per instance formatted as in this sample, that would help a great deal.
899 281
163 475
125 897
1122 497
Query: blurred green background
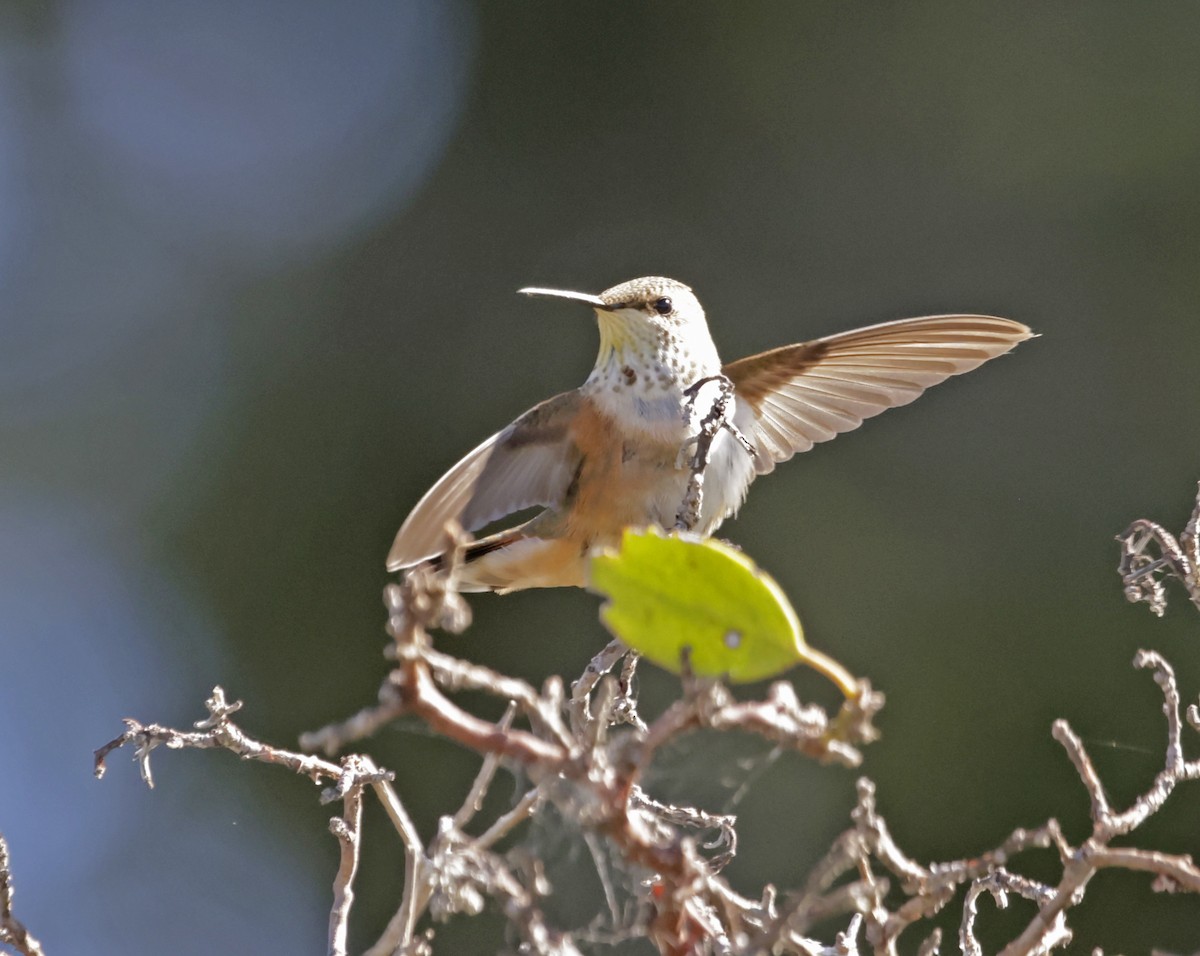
257 265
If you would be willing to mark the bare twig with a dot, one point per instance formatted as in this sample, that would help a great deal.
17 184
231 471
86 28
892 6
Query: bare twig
625 707
12 931
999 883
593 776
483 780
581 690
348 831
1178 559
1174 872
348 779
509 820
216 732
602 771
660 865
710 425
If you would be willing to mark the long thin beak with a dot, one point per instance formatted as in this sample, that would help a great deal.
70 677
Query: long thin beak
593 300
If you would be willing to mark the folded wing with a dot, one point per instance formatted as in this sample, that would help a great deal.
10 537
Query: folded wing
808 393
531 462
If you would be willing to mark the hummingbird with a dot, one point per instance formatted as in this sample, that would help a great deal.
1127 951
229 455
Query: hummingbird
610 454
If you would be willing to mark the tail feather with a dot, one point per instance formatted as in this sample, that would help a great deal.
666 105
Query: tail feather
477 549
514 560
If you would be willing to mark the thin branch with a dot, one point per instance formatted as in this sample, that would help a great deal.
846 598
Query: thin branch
581 690
1078 755
588 756
1176 872
999 883
507 821
709 426
216 732
348 831
487 773
12 930
1179 559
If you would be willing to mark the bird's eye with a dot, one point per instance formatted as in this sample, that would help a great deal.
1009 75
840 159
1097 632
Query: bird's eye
663 306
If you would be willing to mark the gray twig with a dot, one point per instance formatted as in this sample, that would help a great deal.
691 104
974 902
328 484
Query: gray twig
587 757
1179 559
12 931
709 426
348 831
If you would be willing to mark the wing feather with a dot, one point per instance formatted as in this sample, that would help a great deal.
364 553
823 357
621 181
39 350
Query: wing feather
531 462
808 393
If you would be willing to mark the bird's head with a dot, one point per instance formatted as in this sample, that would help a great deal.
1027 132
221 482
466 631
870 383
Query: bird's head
650 321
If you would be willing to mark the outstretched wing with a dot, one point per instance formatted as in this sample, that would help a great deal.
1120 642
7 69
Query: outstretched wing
531 462
808 393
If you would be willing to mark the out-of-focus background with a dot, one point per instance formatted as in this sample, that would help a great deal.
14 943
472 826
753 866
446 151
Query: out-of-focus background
257 265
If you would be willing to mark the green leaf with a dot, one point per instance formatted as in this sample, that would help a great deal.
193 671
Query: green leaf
668 596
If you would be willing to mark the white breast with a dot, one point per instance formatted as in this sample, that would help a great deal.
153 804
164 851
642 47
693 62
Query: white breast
657 413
